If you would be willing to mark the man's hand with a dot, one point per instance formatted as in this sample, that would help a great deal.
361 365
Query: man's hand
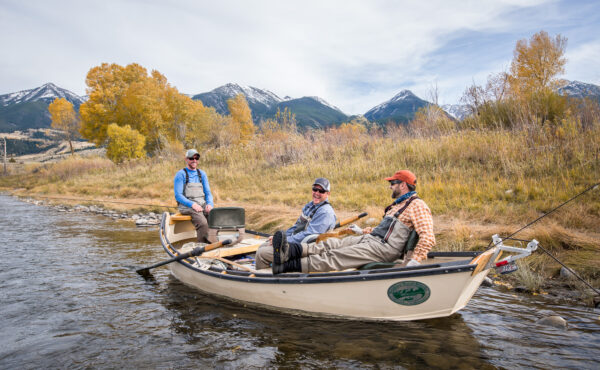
355 229
208 207
409 263
367 230
196 207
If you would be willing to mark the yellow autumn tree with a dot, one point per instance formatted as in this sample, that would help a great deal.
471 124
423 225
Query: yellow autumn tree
241 118
65 119
146 102
536 63
124 143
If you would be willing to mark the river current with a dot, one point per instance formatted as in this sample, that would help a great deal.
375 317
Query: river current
70 298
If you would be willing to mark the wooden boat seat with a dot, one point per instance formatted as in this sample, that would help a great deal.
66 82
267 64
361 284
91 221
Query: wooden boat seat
179 217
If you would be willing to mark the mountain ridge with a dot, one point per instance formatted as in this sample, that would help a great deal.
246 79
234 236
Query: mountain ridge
27 109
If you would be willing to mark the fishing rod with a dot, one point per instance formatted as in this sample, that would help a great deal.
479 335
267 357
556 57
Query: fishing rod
562 264
106 201
510 237
544 215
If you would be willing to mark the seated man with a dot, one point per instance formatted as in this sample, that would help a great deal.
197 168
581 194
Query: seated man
317 217
193 195
383 243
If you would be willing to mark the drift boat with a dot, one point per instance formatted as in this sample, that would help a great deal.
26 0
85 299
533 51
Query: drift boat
439 287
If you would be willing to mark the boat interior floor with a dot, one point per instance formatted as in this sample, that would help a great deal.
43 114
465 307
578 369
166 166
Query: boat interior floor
228 258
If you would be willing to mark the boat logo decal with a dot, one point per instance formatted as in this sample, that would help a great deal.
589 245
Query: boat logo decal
409 293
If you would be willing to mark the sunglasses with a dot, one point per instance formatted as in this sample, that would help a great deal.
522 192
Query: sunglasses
319 190
194 158
394 182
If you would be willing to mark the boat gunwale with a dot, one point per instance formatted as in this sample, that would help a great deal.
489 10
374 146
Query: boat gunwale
330 277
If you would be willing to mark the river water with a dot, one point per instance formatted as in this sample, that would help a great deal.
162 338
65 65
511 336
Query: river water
70 298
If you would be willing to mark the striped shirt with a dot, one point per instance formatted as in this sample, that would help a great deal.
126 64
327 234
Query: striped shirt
417 216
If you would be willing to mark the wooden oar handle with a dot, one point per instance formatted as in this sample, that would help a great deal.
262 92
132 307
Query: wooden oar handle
216 245
349 220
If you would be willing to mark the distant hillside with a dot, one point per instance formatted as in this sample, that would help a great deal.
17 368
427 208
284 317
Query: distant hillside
29 108
259 101
456 111
400 109
577 89
311 112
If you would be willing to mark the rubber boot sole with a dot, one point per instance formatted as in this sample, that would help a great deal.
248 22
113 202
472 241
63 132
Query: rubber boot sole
279 240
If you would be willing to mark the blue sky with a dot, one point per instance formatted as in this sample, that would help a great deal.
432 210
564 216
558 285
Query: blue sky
354 54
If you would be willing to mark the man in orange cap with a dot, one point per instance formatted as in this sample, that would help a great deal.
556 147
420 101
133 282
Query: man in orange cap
384 243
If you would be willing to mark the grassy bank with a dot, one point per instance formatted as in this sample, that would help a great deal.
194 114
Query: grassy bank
477 183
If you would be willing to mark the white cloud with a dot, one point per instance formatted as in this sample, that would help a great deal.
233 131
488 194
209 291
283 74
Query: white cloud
354 54
582 63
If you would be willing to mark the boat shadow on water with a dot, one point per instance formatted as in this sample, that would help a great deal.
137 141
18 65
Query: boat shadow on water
221 331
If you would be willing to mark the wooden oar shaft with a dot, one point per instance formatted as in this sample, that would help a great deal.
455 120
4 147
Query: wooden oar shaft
194 252
334 234
349 220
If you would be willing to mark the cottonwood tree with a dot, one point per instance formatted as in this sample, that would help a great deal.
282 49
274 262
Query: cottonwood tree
241 118
124 143
536 63
146 102
65 119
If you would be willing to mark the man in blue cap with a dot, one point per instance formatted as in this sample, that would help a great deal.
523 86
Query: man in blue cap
193 195
317 217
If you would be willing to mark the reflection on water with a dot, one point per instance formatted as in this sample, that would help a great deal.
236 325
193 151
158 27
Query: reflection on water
236 331
69 297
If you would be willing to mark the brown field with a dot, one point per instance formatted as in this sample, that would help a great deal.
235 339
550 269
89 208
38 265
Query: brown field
477 183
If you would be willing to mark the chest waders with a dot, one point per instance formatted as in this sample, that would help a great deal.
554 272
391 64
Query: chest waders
193 191
393 232
302 224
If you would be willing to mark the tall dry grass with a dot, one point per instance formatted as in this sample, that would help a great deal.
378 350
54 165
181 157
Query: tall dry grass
491 181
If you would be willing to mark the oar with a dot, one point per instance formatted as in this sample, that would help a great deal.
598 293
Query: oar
349 219
253 248
339 224
194 252
333 234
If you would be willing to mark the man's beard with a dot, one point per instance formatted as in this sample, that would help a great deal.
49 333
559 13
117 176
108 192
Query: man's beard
395 194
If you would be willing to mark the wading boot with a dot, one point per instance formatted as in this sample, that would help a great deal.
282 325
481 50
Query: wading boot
279 240
293 265
284 251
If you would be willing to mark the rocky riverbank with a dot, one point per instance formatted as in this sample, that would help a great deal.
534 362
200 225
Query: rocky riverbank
140 219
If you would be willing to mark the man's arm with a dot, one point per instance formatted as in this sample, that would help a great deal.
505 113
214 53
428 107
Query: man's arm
422 221
207 194
322 221
178 183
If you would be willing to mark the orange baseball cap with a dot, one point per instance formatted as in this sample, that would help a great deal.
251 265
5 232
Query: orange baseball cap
404 175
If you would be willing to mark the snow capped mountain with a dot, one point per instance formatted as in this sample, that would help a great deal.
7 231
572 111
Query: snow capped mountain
322 101
47 93
258 99
456 111
310 111
401 108
578 89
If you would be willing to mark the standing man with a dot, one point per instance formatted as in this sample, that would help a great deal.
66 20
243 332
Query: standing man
384 243
317 217
193 195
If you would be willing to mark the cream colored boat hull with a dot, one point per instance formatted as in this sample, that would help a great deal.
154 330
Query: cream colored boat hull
435 290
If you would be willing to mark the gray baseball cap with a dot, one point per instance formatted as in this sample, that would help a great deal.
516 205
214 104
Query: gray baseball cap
323 182
190 153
